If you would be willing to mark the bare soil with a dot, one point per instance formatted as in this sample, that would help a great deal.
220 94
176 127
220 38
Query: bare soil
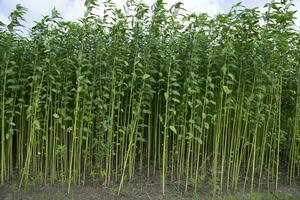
139 188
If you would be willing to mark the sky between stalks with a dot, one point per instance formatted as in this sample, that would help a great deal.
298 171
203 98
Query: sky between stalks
74 9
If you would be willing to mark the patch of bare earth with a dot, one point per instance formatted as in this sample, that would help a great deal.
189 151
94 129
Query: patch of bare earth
140 188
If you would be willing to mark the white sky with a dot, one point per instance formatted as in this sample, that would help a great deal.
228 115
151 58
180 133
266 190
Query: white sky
74 9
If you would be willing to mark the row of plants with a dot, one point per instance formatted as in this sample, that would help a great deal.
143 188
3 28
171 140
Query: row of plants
152 91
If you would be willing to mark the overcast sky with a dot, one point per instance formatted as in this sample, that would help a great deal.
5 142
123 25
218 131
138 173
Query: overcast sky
74 9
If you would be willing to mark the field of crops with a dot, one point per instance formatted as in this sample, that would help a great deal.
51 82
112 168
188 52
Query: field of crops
195 100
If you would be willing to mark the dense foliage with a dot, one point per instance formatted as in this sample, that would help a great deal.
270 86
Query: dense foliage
190 98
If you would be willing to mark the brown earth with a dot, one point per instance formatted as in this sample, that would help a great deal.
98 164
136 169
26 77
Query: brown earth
139 188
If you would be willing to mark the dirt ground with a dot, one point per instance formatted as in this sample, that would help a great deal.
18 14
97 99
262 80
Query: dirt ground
139 188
